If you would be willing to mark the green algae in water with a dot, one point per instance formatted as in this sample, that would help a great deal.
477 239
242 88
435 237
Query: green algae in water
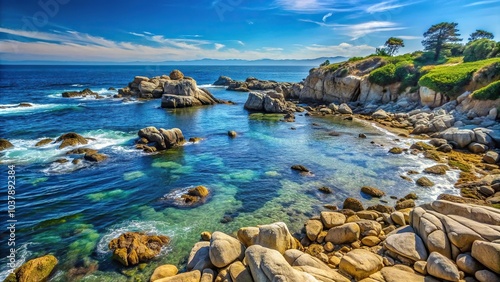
266 117
244 175
182 170
37 181
166 164
272 173
118 193
133 175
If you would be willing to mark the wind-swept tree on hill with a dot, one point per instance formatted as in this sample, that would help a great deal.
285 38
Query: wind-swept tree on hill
438 36
480 34
393 44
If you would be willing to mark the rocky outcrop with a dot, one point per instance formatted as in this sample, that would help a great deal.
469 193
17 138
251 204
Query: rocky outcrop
223 81
160 139
84 93
176 90
71 139
5 144
38 269
131 248
269 102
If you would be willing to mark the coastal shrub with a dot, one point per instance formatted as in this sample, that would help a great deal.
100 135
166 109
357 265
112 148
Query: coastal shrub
384 76
479 50
355 59
489 92
450 80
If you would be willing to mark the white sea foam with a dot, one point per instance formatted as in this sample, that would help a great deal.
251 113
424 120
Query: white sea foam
211 86
22 253
25 151
15 109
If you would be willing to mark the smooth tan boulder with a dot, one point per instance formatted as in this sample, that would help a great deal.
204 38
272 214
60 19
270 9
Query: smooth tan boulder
393 274
488 254
247 235
208 275
468 264
487 276
298 258
332 219
38 269
275 236
240 272
346 233
313 228
164 271
269 265
199 257
192 276
323 275
408 245
442 267
225 249
361 263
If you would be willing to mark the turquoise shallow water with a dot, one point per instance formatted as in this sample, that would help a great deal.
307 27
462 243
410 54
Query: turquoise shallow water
73 212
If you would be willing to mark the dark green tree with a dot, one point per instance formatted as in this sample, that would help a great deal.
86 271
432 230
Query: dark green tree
325 63
438 36
393 44
480 34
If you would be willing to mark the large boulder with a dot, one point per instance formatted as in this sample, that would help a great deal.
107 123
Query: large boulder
38 269
275 236
442 267
462 137
176 75
487 253
132 248
269 265
192 276
408 245
431 98
343 234
163 139
332 219
182 93
199 257
344 109
361 263
225 249
270 102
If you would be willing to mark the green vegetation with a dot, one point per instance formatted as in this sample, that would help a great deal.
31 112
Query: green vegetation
489 92
480 49
450 80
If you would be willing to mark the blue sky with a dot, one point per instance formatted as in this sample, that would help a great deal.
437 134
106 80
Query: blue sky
155 30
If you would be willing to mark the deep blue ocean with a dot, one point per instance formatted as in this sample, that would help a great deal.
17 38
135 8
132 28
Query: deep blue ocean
73 211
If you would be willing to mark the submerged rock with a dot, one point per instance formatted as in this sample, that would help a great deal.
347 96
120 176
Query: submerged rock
131 248
71 139
84 93
38 269
372 191
5 144
300 168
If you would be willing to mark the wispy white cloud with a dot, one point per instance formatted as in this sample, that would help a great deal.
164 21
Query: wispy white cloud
343 49
250 22
385 6
356 31
304 5
477 3
325 17
138 34
272 49
76 46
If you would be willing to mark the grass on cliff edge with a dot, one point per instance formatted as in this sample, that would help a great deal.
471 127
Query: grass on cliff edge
451 79
489 92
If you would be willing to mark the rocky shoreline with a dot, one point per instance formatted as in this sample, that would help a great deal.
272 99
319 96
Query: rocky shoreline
451 239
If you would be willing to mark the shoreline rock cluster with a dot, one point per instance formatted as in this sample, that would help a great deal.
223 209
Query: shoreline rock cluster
441 241
175 90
